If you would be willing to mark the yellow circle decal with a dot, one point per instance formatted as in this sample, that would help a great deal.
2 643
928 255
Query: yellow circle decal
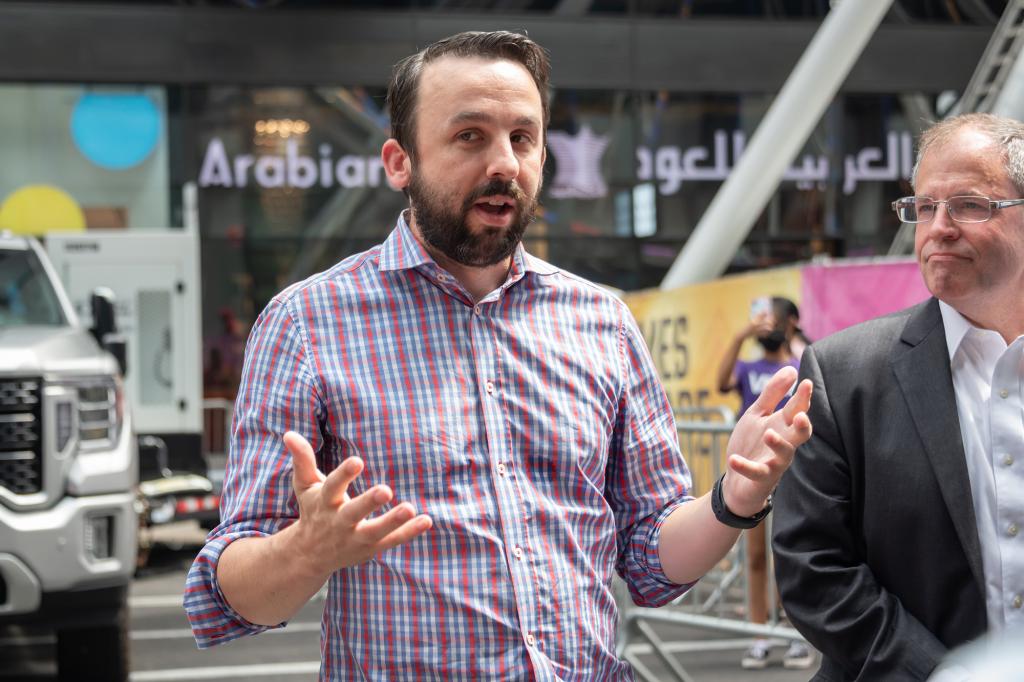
38 209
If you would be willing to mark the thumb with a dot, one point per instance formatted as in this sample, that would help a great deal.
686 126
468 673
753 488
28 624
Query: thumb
305 474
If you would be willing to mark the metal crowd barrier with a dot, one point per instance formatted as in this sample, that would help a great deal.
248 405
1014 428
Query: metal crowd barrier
217 414
718 602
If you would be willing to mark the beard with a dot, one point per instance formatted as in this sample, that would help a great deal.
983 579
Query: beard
447 230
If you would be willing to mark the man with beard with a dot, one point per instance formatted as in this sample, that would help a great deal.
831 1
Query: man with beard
463 441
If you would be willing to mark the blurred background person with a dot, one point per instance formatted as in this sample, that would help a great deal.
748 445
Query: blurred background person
775 325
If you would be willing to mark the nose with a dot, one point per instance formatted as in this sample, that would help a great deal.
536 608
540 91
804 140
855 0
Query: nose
942 226
502 162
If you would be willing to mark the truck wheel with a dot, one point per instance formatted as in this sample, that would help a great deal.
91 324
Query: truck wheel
94 653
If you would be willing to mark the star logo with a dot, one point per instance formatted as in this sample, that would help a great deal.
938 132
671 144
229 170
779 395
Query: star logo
578 164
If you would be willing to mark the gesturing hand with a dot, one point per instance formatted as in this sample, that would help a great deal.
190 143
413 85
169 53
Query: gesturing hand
762 445
334 529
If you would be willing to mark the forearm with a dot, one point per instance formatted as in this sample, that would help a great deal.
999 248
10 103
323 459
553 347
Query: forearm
265 579
692 541
726 380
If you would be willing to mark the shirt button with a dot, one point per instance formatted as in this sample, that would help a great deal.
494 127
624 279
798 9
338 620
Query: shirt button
1018 602
477 310
531 640
1012 530
518 553
1008 460
500 468
1004 393
489 386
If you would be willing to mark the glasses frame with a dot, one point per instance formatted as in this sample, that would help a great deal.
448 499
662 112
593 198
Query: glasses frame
993 205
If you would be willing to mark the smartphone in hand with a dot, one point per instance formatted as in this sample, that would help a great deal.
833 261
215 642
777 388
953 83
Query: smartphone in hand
761 305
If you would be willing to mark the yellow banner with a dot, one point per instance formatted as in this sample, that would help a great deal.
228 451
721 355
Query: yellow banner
688 331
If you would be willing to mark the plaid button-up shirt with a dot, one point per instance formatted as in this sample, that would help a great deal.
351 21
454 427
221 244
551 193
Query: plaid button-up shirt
532 427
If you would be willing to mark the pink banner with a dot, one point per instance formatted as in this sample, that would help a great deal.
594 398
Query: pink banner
836 296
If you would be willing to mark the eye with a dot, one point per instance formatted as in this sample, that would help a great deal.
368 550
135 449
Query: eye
521 138
468 136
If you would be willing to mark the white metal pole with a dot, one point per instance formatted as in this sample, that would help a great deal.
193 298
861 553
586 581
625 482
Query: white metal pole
787 125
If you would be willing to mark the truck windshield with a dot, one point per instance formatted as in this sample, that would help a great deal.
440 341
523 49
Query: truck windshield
26 295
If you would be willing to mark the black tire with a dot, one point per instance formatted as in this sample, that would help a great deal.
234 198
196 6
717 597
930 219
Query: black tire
95 653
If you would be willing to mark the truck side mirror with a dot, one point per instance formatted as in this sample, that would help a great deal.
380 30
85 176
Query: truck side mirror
101 304
104 326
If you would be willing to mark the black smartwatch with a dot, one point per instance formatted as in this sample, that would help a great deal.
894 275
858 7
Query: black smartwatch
725 516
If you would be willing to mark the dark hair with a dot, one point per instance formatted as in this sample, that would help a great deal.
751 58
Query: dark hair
784 308
405 78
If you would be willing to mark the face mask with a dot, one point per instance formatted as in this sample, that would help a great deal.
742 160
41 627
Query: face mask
773 340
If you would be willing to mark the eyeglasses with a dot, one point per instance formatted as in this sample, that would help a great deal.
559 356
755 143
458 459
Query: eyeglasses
968 209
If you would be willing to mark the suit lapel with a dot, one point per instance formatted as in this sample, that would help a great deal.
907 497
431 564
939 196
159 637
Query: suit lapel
921 365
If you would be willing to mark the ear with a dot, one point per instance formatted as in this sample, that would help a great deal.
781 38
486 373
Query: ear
397 165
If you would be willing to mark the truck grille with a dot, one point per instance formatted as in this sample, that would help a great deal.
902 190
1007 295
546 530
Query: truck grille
21 445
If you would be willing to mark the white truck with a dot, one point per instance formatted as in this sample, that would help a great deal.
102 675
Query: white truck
68 467
154 276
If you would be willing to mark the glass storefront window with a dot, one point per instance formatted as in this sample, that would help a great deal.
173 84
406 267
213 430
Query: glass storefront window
290 182
77 156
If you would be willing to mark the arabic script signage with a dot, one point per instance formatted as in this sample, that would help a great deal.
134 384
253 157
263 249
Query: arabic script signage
671 166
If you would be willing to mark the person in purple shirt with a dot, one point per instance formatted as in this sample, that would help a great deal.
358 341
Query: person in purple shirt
776 327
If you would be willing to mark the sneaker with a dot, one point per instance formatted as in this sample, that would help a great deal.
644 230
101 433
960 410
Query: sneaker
756 656
798 656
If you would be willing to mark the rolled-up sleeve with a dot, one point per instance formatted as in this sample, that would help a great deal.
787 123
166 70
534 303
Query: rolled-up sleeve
647 475
278 393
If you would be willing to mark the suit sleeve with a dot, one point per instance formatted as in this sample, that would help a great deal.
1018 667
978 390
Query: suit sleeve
826 583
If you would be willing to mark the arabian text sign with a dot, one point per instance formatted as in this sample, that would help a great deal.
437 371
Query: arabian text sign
290 169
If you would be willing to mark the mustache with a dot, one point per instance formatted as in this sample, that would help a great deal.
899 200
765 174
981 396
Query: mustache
496 187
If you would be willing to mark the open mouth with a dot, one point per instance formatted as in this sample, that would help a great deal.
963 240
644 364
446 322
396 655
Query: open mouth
496 206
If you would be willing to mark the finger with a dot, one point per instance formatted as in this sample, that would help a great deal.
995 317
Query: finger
800 430
800 402
304 471
418 526
775 391
748 468
377 529
782 448
361 506
338 481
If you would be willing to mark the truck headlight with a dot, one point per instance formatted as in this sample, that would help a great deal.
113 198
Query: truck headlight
65 425
100 412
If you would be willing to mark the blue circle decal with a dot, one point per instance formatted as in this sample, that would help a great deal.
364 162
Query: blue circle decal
115 131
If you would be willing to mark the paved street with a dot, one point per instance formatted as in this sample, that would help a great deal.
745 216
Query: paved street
163 650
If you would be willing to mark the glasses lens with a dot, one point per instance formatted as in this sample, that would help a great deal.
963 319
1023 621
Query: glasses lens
970 209
914 209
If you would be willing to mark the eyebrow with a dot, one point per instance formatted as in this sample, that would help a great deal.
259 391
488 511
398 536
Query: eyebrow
479 116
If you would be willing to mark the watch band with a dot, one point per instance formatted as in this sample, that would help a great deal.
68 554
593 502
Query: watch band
725 516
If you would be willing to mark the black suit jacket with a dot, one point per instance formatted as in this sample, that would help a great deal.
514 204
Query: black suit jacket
876 546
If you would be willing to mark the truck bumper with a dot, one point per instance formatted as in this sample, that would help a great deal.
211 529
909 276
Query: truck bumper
81 544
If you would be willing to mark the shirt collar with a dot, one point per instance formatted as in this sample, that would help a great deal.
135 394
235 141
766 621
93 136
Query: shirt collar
956 326
402 251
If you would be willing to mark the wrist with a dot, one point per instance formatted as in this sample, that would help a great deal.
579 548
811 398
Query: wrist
297 547
738 516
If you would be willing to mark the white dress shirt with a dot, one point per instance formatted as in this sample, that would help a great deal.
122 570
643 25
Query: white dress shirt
988 379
